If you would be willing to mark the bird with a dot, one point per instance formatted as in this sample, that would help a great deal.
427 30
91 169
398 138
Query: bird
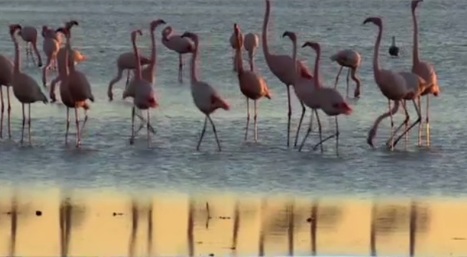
282 67
351 60
329 100
6 77
178 44
25 88
396 86
144 98
424 70
205 97
250 45
252 85
29 35
393 49
50 46
148 73
125 61
78 86
234 44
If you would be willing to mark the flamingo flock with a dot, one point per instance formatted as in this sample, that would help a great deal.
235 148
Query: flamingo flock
311 90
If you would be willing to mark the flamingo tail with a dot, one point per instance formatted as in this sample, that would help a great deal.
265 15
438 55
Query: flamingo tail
218 102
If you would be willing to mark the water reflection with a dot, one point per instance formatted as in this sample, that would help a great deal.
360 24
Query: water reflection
225 225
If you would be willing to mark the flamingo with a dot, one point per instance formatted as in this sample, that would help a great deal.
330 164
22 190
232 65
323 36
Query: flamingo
205 97
148 73
50 46
6 77
351 60
426 71
251 43
144 97
252 85
234 44
393 49
25 88
396 86
178 44
329 100
29 35
282 67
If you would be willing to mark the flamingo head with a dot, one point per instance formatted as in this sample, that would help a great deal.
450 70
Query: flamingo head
375 20
191 36
314 45
237 30
166 32
414 4
14 28
65 31
134 33
156 23
291 35
71 23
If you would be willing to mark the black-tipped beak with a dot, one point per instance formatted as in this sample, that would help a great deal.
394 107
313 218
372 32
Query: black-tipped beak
285 34
163 22
305 44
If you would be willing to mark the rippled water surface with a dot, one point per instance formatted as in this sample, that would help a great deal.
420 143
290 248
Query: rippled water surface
107 160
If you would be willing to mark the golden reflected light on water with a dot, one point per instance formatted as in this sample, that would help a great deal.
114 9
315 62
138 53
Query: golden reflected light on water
86 223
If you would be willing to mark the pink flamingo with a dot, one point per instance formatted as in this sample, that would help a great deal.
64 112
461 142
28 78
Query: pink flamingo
144 97
50 46
251 43
148 73
427 72
6 78
178 44
329 100
252 85
205 97
66 94
29 35
282 66
394 86
234 44
351 60
25 88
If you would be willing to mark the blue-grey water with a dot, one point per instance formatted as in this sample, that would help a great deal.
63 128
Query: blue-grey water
107 160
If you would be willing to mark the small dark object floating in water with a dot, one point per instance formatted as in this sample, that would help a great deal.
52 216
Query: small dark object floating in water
394 50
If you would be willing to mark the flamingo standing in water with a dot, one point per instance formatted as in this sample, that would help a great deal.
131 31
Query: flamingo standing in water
148 74
29 35
329 100
396 86
282 67
204 95
351 60
6 77
144 97
25 88
426 71
251 43
178 44
235 44
252 85
50 46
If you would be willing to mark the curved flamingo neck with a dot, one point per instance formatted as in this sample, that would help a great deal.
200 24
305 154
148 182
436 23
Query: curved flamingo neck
415 55
316 72
17 67
137 58
376 67
264 35
167 34
238 52
153 51
383 116
194 75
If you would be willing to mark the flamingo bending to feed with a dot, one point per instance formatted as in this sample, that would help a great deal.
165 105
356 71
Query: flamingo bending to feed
29 35
426 71
6 78
148 73
144 97
329 100
205 97
235 44
50 46
396 86
178 44
78 87
251 84
351 60
393 49
282 67
25 88
251 43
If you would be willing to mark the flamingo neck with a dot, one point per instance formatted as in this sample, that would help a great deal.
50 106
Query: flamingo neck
376 67
153 51
194 75
415 56
264 35
69 52
316 72
17 67
67 57
137 58
393 41
250 57
294 58
383 116
239 58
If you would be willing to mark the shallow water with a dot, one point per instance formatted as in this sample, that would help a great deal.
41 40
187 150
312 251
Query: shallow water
107 160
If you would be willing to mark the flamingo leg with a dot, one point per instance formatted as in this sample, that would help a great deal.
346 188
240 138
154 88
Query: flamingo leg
202 133
132 138
307 132
337 77
329 137
9 111
420 125
300 123
215 133
115 80
391 147
348 81
84 122
67 129
143 123
27 52
23 124
255 121
405 122
289 115
127 78
78 132
44 71
3 111
148 130
180 68
29 123
428 139
52 88
247 117
38 55
413 124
